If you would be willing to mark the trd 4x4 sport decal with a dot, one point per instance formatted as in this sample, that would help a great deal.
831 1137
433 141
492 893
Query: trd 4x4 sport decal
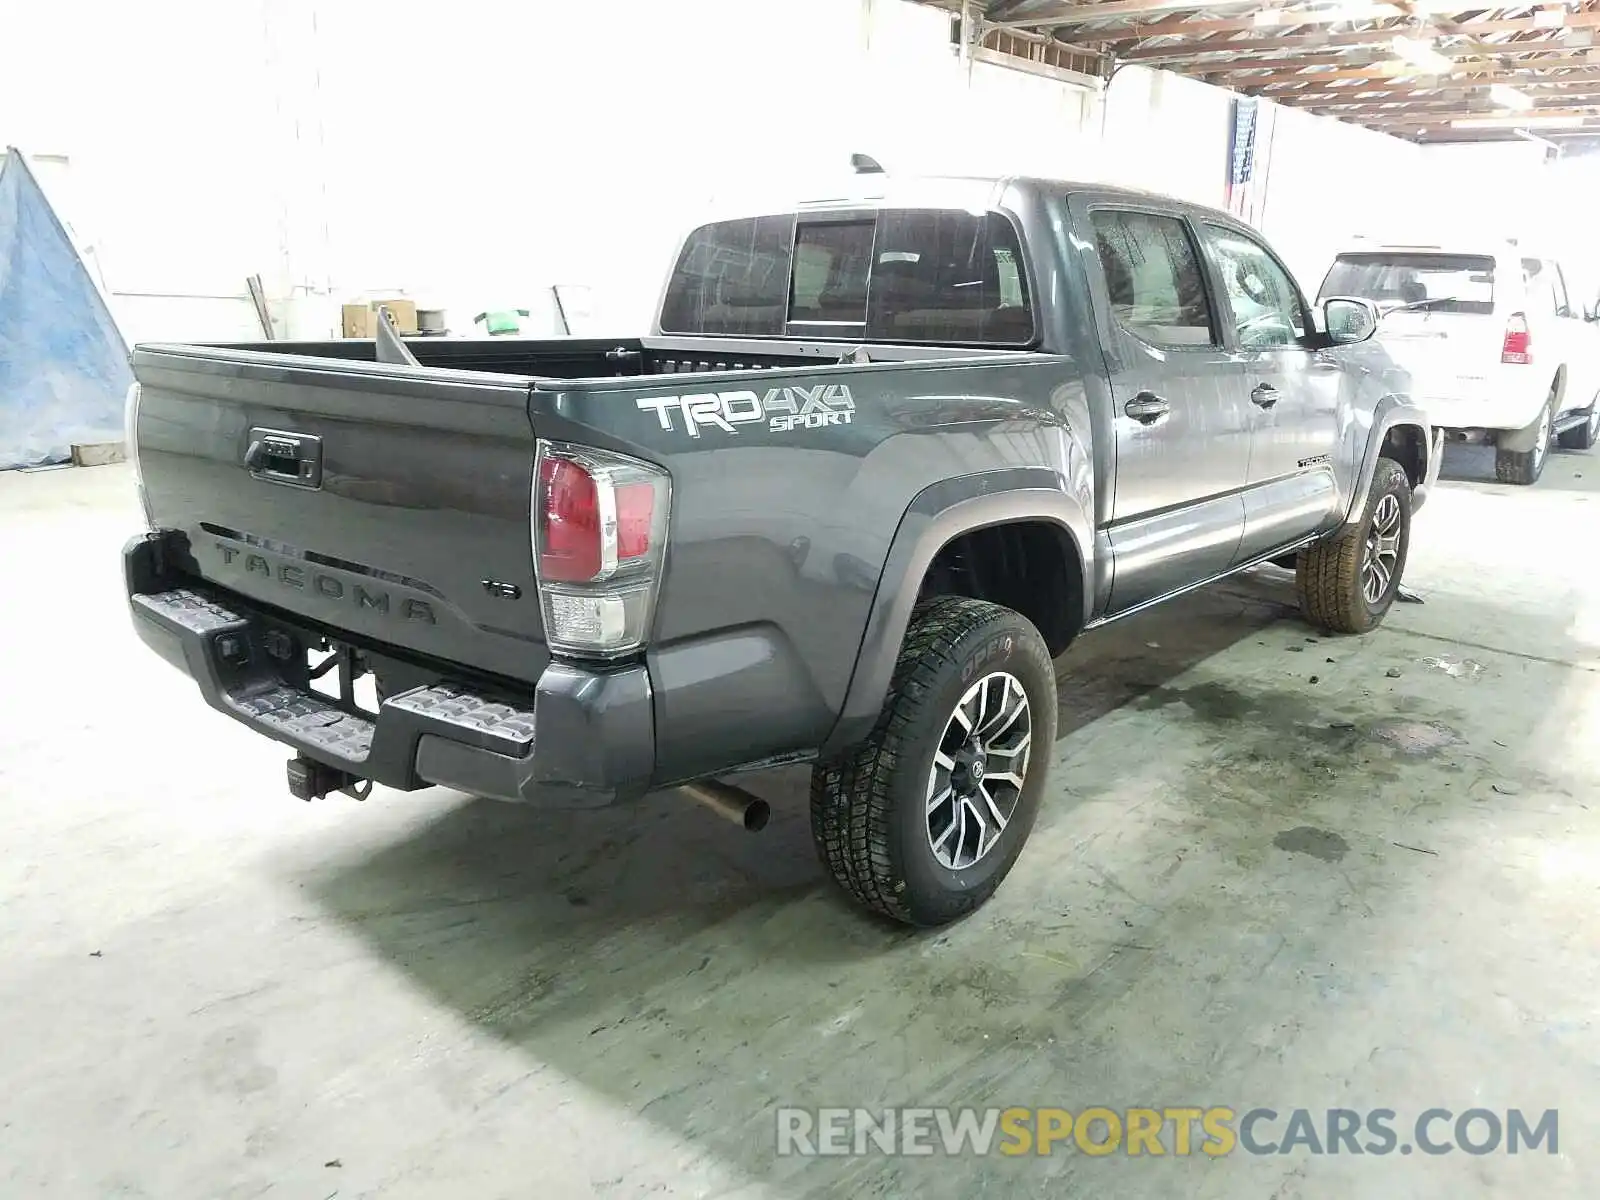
781 409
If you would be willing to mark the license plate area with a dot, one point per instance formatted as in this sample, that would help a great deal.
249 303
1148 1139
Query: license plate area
342 674
335 671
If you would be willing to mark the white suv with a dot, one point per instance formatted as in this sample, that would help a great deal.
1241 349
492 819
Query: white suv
1497 349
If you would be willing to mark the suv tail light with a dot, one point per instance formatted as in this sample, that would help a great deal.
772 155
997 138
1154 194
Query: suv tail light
599 542
1518 345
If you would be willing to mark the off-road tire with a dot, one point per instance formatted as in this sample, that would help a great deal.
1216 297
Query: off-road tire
869 811
1525 466
1329 577
1582 437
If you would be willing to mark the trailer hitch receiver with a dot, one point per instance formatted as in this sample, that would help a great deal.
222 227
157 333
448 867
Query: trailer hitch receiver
312 780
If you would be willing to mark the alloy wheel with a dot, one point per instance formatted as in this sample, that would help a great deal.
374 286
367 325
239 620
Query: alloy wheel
978 770
1382 558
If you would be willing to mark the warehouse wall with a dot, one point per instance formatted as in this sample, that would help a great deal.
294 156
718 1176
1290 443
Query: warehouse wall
473 154
588 168
153 134
1327 182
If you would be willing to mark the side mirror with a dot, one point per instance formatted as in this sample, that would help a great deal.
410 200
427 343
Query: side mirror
1349 319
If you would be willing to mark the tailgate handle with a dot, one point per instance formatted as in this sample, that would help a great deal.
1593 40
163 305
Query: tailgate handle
294 459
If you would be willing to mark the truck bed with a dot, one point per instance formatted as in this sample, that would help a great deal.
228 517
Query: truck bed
599 358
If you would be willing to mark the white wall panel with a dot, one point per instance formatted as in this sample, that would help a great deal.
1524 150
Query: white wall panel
472 154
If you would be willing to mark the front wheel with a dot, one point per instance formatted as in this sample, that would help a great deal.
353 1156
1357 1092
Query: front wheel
1348 580
923 820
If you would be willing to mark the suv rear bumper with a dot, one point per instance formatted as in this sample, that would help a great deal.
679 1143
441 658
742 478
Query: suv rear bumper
1507 404
593 730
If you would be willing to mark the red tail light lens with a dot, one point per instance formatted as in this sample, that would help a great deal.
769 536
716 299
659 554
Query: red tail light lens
569 522
573 541
599 540
636 509
1518 344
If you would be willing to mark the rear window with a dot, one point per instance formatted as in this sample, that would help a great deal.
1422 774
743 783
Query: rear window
1457 283
831 262
732 278
906 276
948 277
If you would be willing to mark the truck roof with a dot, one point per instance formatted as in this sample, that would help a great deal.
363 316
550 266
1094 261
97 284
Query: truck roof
972 192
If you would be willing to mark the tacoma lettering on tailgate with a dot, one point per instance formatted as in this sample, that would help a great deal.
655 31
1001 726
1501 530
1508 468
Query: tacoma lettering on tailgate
308 579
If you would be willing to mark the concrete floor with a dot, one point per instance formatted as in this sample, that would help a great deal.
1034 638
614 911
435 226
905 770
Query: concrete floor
1248 887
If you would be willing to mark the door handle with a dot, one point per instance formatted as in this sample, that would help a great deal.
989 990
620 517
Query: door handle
1147 408
294 459
1264 395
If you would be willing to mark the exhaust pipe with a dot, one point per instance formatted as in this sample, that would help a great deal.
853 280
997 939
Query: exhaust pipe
730 803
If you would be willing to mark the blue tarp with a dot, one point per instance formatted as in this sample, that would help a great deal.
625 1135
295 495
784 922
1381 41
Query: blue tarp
63 364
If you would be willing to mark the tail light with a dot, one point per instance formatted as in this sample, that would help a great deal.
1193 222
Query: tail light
1518 345
130 447
599 542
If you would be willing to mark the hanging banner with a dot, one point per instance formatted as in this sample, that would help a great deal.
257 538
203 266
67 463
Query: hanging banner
1242 157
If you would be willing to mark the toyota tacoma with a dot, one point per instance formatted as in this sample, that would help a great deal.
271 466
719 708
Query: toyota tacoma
881 460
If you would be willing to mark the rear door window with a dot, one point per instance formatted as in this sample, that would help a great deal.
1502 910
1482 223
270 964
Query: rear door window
1153 278
956 277
732 278
1446 283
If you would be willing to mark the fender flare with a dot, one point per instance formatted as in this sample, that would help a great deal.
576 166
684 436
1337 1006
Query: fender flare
938 514
1392 412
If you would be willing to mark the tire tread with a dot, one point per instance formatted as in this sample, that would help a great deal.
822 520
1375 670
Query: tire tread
1328 578
851 804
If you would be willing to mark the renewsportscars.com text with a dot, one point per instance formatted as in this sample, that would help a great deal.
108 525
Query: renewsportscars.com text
1178 1131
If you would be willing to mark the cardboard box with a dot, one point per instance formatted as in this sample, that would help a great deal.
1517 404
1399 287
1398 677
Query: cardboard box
404 313
98 454
357 321
361 320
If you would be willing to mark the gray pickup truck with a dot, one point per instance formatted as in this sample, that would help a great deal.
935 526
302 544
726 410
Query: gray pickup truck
882 460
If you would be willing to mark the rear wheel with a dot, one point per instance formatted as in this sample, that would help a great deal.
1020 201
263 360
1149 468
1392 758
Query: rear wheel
923 820
1347 581
1525 466
1583 437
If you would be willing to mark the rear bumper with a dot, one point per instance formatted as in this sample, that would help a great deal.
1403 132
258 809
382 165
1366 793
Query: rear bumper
1497 404
581 739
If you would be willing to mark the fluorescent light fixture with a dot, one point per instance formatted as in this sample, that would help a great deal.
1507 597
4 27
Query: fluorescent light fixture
1266 18
1529 121
1508 97
1549 18
1421 54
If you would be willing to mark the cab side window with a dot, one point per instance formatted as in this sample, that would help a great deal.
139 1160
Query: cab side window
1267 310
1558 285
1545 294
1153 278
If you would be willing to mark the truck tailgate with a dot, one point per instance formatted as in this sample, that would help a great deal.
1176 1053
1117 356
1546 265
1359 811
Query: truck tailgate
376 501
